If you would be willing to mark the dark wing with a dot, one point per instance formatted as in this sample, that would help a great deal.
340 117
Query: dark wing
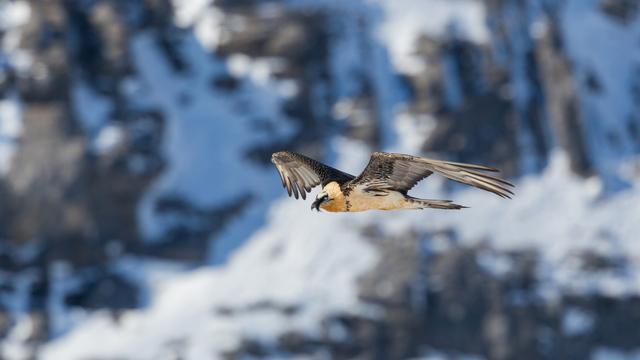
299 174
402 172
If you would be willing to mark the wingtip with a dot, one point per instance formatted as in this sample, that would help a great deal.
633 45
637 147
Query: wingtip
506 196
458 207
273 157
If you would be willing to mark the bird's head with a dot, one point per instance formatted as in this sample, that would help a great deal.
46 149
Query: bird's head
330 198
321 199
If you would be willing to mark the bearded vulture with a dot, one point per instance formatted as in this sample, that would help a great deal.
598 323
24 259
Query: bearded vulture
382 185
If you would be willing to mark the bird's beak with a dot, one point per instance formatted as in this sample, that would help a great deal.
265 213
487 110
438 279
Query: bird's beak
316 204
322 197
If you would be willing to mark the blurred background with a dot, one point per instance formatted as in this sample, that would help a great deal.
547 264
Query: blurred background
140 217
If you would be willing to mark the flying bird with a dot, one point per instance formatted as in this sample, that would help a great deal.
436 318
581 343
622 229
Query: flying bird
382 185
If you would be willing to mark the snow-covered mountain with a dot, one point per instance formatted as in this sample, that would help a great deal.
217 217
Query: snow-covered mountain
141 218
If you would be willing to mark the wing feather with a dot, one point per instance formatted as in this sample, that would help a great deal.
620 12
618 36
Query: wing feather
402 172
300 174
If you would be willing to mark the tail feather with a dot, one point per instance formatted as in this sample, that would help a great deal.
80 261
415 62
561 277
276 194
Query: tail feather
433 204
469 174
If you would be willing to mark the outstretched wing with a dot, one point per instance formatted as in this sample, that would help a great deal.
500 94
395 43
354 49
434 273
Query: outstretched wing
402 172
300 174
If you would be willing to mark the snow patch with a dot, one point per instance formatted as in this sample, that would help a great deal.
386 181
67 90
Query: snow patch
10 131
109 139
577 322
13 16
302 263
406 20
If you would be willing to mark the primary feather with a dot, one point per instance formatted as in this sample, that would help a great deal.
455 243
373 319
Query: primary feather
402 172
300 174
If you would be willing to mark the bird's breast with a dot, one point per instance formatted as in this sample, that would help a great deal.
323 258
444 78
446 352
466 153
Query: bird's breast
336 205
359 200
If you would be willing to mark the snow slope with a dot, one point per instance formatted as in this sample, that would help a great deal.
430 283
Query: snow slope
286 264
207 131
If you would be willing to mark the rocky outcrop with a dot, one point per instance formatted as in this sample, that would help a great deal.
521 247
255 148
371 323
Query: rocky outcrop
562 97
622 10
302 44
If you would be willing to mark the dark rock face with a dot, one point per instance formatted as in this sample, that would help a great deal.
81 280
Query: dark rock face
562 102
107 291
621 10
448 136
465 82
188 236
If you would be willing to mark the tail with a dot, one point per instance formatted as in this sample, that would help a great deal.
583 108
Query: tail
469 174
414 203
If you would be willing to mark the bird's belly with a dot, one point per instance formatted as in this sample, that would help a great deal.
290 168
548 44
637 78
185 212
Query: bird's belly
361 201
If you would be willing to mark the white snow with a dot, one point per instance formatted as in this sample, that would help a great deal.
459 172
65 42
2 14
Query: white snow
300 263
10 130
203 17
13 16
406 20
576 322
109 138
